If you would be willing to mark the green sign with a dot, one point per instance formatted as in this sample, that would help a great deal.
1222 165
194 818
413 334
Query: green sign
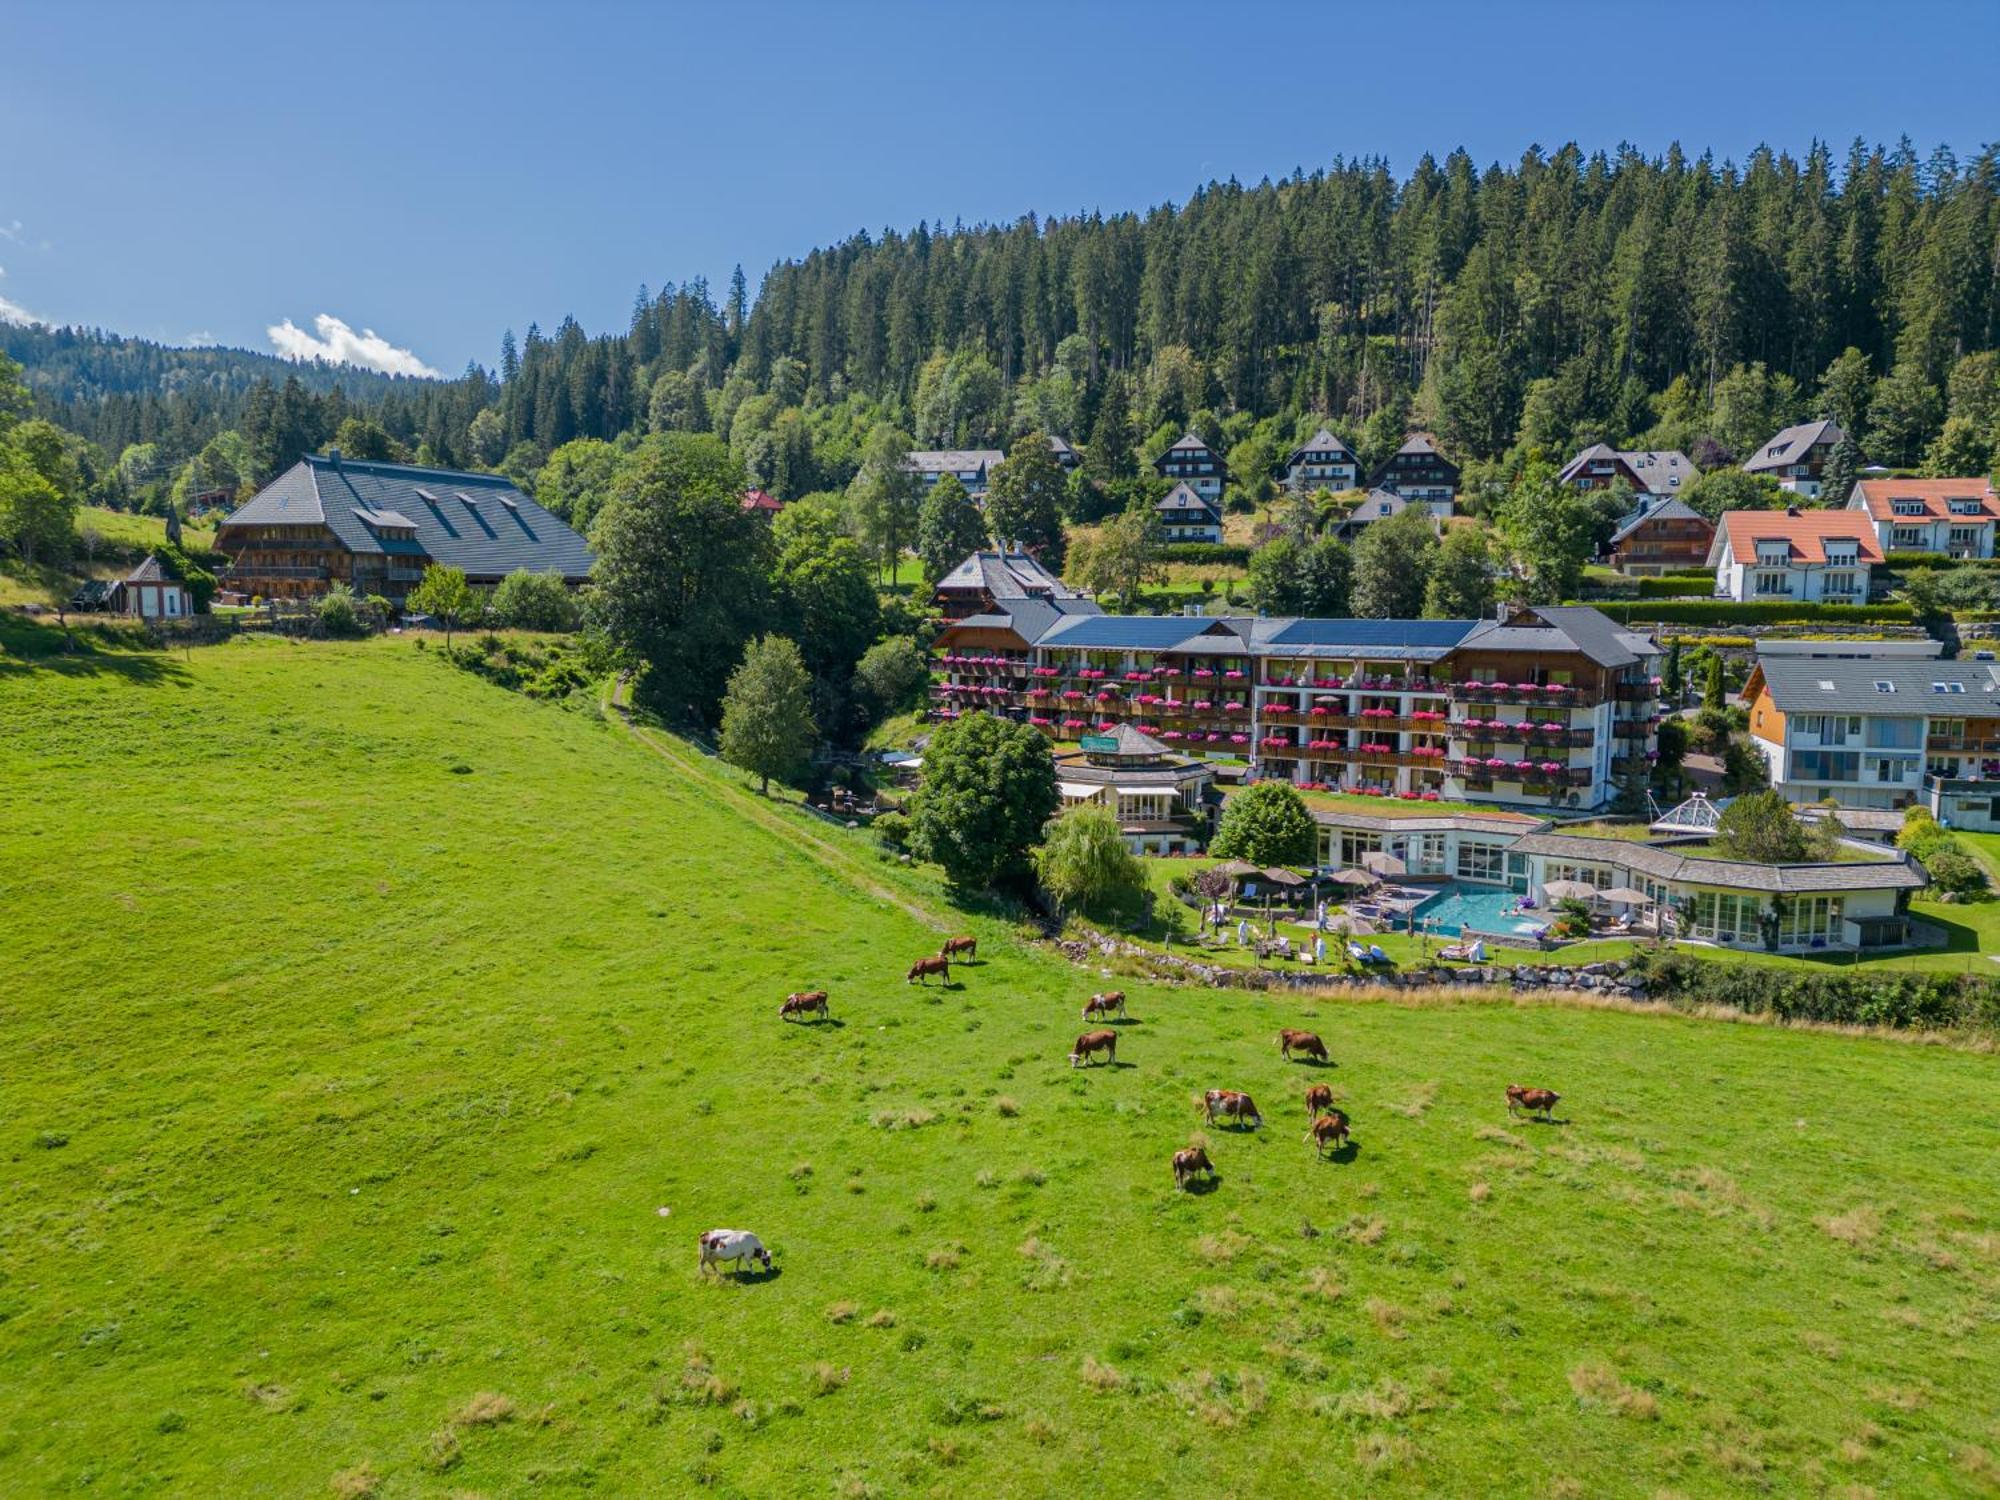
1100 742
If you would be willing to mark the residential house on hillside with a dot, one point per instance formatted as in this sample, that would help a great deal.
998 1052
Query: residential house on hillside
762 505
1797 457
972 466
1660 536
1067 457
1532 707
1376 505
1186 516
1809 556
1322 462
151 592
1869 733
1954 516
1193 463
1158 797
989 581
1419 471
1658 471
377 526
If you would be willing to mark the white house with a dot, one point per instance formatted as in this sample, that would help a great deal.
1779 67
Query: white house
1954 516
972 466
1200 467
1793 555
1322 462
1186 516
151 594
1797 457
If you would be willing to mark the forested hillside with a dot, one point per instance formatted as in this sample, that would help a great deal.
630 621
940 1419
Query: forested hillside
1562 299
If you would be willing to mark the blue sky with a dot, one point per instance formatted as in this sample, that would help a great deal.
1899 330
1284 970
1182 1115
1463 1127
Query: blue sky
436 172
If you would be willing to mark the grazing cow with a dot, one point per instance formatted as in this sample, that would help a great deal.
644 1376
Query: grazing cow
964 943
1108 1003
1319 1099
1094 1041
1231 1104
1329 1129
1305 1043
1189 1164
923 968
738 1246
1535 1101
806 1002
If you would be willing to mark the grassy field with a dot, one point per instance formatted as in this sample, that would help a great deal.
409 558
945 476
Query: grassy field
361 1017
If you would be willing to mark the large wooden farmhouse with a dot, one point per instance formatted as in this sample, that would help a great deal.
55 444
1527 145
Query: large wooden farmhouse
377 526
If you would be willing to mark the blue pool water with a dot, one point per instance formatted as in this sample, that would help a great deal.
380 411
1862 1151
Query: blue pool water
1458 907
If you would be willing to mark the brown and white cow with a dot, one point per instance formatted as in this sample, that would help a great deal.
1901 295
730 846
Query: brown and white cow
1191 1163
1231 1104
1319 1099
1111 1002
739 1247
923 968
1329 1129
805 1002
1535 1101
964 943
1092 1042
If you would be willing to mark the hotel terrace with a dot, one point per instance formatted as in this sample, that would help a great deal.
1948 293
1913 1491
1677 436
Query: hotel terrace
1536 708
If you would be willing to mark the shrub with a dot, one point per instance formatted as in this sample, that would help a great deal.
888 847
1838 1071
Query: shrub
534 601
893 829
1843 997
1753 612
338 615
1206 554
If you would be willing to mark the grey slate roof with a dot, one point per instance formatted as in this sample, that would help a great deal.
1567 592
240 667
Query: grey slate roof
1660 471
1322 441
1669 863
1152 633
1792 445
1661 510
1822 685
152 570
477 522
1015 575
1182 497
953 460
1564 627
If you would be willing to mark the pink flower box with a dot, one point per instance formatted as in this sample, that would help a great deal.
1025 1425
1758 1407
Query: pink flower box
1239 739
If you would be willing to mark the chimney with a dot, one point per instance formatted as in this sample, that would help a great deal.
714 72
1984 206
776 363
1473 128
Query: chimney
1792 510
333 457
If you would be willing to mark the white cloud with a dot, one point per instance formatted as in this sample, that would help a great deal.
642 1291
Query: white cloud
341 345
200 339
13 312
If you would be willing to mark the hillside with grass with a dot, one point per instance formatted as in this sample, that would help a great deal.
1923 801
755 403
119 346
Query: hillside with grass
377 1041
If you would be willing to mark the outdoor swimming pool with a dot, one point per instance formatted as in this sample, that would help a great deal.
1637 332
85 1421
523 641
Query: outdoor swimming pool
1481 908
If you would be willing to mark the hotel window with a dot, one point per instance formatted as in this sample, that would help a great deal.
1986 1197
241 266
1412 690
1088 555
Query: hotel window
1481 861
1841 584
1947 729
1430 853
1963 536
1773 583
1354 845
1906 536
1725 918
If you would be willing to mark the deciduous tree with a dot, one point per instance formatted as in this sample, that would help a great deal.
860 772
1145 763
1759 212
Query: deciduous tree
767 721
989 788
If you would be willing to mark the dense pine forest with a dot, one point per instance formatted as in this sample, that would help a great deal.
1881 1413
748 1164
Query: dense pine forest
1563 299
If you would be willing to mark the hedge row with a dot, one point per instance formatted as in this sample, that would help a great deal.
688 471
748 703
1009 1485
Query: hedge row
1842 997
1700 586
1206 554
1756 612
1920 560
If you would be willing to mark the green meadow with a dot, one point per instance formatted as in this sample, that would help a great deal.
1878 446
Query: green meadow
375 1042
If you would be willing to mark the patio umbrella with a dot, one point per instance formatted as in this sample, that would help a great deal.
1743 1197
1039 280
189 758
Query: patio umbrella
1382 862
1625 895
1352 876
1564 890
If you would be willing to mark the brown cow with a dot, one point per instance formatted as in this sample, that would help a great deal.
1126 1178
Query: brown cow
1535 1101
1105 1004
1319 1099
1231 1104
1329 1127
1189 1163
964 943
1306 1043
923 968
1094 1041
805 1002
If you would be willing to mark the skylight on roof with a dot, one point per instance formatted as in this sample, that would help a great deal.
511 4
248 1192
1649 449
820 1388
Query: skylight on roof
1884 687
1825 686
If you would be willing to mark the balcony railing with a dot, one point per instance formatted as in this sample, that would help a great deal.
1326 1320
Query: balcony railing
242 571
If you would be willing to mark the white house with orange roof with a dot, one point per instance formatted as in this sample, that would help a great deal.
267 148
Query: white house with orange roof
1955 516
1798 556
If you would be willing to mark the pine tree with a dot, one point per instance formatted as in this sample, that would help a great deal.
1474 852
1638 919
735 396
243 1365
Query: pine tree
1670 678
1842 468
510 361
1714 694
